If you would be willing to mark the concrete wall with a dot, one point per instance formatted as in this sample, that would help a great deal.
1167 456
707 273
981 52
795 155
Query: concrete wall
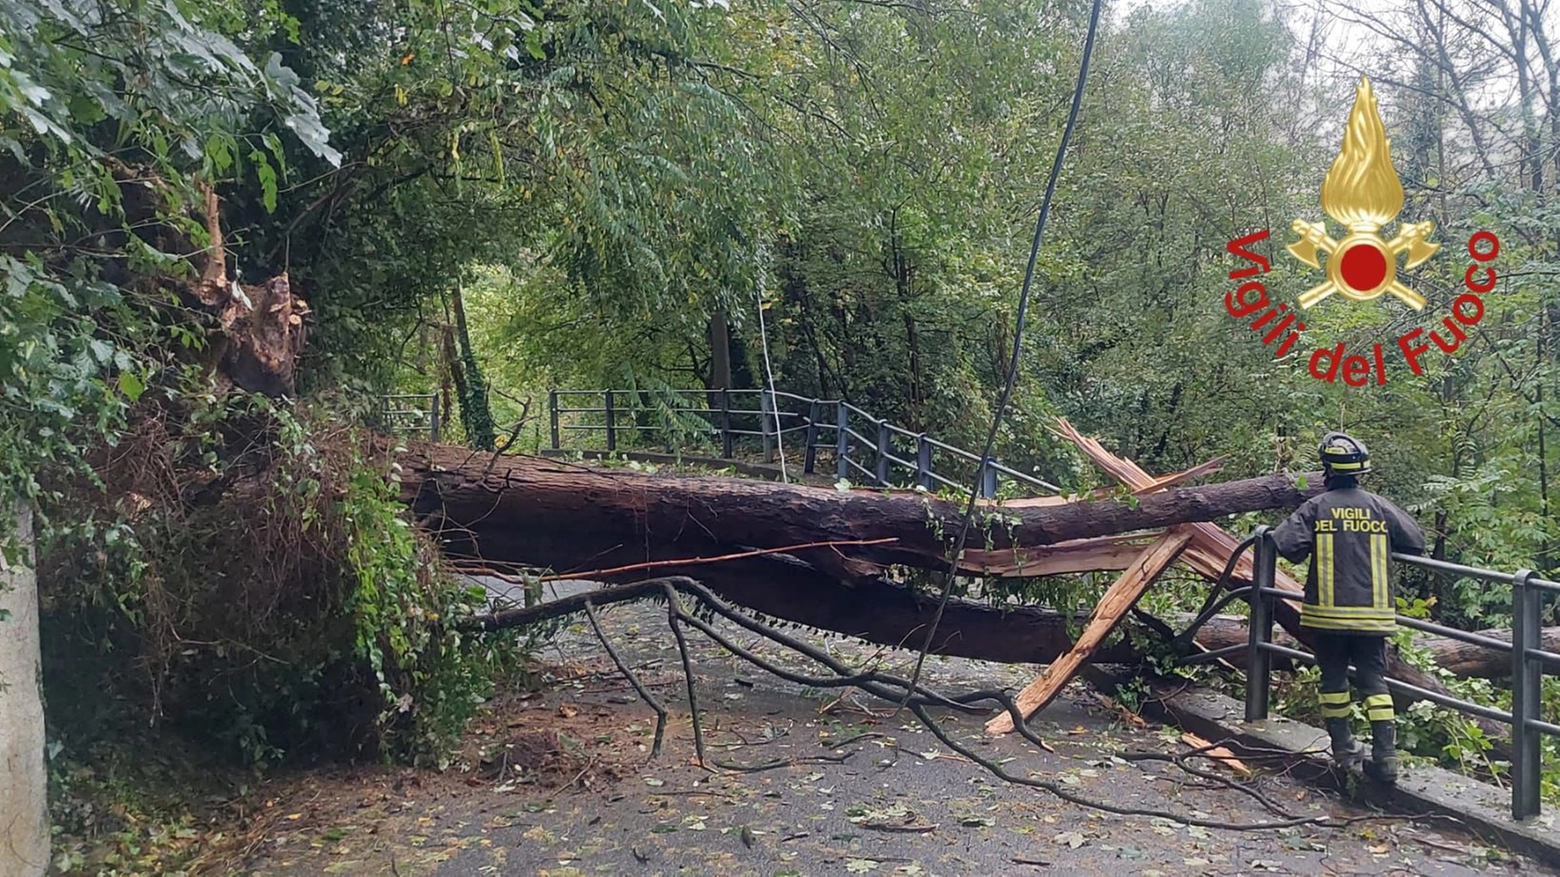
24 822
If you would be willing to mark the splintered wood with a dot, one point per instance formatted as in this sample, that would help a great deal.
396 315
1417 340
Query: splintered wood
1205 546
1121 597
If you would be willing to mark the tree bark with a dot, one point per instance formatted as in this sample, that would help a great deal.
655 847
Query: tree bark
569 518
24 819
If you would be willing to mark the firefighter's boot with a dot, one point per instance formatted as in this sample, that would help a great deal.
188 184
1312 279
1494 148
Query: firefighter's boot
1383 764
1346 751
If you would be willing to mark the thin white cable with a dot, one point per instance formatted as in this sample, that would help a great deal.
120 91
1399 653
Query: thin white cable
769 372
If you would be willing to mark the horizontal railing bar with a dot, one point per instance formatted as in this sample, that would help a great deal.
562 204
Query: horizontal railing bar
902 431
1540 655
1216 654
1546 727
409 396
1452 568
954 450
851 408
784 395
859 437
893 459
1421 693
1544 585
1292 654
858 467
584 410
1024 477
1452 702
1477 639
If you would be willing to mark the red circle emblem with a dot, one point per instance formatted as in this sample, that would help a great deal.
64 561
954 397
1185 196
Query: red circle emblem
1364 267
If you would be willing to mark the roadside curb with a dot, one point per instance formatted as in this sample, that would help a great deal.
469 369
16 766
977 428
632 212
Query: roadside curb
1421 789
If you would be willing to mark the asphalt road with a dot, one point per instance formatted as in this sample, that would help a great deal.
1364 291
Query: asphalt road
862 791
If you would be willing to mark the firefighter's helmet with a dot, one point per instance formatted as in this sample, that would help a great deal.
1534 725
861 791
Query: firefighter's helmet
1344 454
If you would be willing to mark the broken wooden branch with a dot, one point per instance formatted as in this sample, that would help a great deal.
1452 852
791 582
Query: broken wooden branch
1122 596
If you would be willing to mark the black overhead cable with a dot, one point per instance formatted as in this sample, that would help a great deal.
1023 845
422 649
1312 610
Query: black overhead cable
1018 341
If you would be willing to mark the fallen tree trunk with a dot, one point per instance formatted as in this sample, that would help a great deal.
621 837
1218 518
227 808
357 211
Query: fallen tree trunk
568 517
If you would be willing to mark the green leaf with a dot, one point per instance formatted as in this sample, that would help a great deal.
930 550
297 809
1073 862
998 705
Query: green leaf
131 386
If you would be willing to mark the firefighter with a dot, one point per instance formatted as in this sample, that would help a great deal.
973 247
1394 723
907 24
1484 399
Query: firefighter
1349 607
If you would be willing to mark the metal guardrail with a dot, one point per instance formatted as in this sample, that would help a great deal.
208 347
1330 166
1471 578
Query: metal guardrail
1528 660
413 411
827 425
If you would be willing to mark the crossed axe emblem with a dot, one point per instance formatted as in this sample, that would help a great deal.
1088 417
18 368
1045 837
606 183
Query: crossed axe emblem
1362 266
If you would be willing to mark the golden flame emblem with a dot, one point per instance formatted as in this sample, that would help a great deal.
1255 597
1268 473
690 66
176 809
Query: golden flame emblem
1363 193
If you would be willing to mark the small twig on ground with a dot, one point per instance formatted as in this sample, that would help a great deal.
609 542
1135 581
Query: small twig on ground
782 762
900 829
644 693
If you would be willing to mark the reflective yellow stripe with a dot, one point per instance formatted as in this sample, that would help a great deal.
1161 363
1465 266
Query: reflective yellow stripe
1324 569
1333 697
1367 621
1378 708
1378 571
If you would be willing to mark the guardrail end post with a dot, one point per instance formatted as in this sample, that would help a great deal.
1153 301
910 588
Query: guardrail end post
883 439
842 440
1259 662
766 426
988 479
1526 698
725 423
923 462
552 411
810 455
611 423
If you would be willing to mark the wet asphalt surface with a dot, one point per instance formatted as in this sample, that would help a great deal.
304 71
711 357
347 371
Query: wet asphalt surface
864 791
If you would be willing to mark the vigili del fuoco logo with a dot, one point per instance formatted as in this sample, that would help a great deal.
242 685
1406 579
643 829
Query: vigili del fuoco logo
1363 194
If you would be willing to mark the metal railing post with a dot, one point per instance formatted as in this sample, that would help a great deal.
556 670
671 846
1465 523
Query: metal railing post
725 423
1259 662
765 425
552 411
810 456
842 441
881 470
988 479
433 417
611 423
1526 698
923 462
